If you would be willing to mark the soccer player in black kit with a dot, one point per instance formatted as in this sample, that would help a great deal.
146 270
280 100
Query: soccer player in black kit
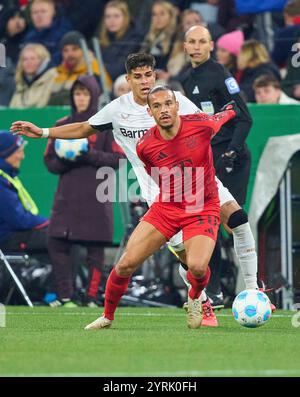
210 86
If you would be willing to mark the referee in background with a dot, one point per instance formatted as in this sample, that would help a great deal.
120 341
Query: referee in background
210 86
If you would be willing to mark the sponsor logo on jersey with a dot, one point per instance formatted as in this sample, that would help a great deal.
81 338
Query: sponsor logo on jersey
135 134
207 107
232 85
196 90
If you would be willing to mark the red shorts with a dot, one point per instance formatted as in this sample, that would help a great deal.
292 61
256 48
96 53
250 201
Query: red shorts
169 220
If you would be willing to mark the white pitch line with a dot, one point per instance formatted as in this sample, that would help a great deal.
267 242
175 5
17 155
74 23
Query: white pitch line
128 314
196 373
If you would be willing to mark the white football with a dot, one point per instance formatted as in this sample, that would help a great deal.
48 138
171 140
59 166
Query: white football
70 149
251 308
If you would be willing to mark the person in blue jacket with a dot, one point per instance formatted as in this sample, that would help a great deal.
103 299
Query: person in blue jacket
21 226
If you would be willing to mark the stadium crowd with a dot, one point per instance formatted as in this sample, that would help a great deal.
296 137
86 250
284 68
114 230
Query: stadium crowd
57 49
44 54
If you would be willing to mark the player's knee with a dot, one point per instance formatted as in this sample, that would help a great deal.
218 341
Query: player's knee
126 265
237 218
197 267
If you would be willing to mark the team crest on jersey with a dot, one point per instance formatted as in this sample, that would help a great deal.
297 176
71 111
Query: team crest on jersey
207 107
232 85
192 141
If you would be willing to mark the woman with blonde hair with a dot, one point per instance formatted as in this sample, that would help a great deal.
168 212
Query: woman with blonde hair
254 61
159 41
118 37
34 77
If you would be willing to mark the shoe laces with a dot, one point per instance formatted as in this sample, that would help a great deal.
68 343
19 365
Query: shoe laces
207 309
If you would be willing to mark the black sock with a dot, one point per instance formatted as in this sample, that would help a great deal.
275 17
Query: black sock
214 285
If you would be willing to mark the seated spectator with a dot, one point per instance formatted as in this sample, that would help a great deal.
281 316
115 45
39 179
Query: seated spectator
118 37
77 216
160 39
7 82
12 31
47 27
253 61
287 36
120 86
73 65
228 48
21 226
83 15
34 78
268 91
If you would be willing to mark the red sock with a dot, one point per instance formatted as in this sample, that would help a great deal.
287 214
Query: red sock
94 283
116 287
198 283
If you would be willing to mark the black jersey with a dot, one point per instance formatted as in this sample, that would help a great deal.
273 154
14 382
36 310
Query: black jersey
210 86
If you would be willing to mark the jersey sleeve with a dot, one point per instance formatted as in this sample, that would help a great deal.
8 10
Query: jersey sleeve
228 90
102 120
186 106
215 122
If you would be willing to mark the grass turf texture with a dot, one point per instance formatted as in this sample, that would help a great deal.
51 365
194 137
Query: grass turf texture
144 342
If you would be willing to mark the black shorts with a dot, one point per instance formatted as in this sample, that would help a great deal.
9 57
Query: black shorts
237 180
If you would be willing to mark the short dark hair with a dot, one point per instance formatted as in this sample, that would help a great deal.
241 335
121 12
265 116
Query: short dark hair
138 60
157 89
266 80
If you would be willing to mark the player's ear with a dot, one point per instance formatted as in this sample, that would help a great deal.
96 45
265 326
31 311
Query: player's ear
149 112
212 45
177 105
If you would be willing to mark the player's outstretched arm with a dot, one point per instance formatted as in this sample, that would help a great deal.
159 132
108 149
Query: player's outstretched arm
68 131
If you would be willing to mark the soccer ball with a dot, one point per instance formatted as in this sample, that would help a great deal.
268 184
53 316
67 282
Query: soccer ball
69 149
251 308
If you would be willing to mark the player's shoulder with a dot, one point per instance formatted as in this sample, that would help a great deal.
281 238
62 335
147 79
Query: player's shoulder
195 118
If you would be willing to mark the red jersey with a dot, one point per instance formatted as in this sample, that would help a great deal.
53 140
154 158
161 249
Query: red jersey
183 166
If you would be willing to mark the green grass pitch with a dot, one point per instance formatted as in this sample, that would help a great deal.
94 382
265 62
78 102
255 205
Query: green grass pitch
144 342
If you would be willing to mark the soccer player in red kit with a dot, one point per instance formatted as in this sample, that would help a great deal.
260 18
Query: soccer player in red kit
177 153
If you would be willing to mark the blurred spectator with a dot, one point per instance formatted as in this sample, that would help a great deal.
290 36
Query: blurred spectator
21 227
47 27
7 82
228 48
118 37
268 91
287 36
291 81
77 216
253 61
120 86
160 39
231 20
73 65
207 8
178 65
34 78
83 15
12 31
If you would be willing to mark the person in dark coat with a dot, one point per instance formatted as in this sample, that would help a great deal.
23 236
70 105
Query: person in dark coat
13 28
77 217
253 61
48 28
119 37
